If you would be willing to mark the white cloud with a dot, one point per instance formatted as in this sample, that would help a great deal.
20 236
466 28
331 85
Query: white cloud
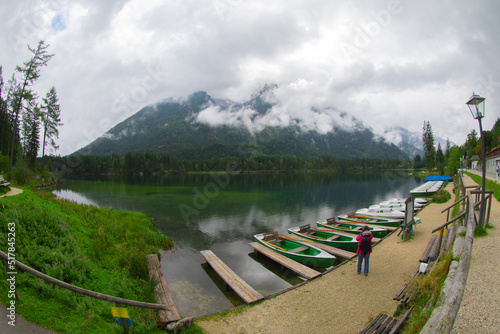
410 61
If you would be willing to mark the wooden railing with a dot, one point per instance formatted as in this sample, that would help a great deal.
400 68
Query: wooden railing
443 318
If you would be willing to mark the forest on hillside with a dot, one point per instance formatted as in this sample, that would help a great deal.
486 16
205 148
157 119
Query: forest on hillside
160 164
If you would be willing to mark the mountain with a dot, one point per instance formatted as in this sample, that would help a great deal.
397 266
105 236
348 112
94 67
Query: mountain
410 142
202 127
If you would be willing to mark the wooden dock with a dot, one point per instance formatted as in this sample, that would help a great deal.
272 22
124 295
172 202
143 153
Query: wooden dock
332 250
300 269
162 294
245 291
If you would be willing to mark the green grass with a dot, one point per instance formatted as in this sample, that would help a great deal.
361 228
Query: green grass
482 231
99 249
489 185
441 196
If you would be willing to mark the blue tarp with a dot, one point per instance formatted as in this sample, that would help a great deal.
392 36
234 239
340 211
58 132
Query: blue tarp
438 178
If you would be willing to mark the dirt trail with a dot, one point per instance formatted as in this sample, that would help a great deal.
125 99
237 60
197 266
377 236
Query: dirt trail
12 192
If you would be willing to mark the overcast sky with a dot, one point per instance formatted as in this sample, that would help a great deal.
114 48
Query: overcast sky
387 63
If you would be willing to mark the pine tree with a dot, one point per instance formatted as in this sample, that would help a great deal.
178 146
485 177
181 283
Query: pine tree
429 149
51 120
29 72
31 133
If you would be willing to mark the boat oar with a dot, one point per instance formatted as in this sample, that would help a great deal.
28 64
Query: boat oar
336 226
270 244
294 239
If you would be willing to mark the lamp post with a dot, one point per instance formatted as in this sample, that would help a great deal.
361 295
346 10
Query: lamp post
477 108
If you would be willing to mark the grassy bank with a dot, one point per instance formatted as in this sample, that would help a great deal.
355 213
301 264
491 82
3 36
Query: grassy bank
94 248
489 185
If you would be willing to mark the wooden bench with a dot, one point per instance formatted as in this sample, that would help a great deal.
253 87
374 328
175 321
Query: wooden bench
384 324
243 289
333 237
3 183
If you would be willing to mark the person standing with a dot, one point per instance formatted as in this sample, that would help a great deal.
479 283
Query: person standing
364 249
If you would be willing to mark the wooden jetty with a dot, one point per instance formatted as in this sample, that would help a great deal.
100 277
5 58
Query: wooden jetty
162 294
245 291
332 250
300 269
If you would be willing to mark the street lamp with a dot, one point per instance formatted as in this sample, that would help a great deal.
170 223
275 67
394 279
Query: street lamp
477 108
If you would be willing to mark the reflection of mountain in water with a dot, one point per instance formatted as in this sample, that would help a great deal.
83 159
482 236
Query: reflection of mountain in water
188 211
228 217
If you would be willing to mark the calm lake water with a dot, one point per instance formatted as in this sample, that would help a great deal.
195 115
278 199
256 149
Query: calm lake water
222 212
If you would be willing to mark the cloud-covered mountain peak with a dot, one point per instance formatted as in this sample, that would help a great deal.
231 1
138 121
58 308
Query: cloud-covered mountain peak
270 107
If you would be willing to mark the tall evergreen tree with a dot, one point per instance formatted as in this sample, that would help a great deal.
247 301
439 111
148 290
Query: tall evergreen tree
29 72
31 133
51 120
429 149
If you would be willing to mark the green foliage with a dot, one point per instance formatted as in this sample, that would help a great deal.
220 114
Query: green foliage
4 165
158 164
194 329
428 143
51 121
98 249
453 162
442 196
424 293
480 231
22 172
489 185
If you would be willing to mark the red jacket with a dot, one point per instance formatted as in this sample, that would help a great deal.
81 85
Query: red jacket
358 239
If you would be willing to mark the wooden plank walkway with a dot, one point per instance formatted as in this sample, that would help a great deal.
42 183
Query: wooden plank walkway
245 291
162 294
300 269
332 250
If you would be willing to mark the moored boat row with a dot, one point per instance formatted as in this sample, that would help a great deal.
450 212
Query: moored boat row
341 232
427 189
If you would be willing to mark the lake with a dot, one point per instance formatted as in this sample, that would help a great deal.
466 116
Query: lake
222 212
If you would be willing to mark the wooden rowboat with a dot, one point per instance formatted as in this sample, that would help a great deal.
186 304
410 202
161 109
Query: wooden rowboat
296 250
351 227
372 220
332 238
377 211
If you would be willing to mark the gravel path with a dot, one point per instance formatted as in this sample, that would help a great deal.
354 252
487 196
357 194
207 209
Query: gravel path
340 301
481 302
12 192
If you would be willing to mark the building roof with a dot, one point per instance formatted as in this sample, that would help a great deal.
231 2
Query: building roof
494 152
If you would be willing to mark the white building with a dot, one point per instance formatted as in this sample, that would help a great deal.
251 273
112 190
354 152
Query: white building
493 160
